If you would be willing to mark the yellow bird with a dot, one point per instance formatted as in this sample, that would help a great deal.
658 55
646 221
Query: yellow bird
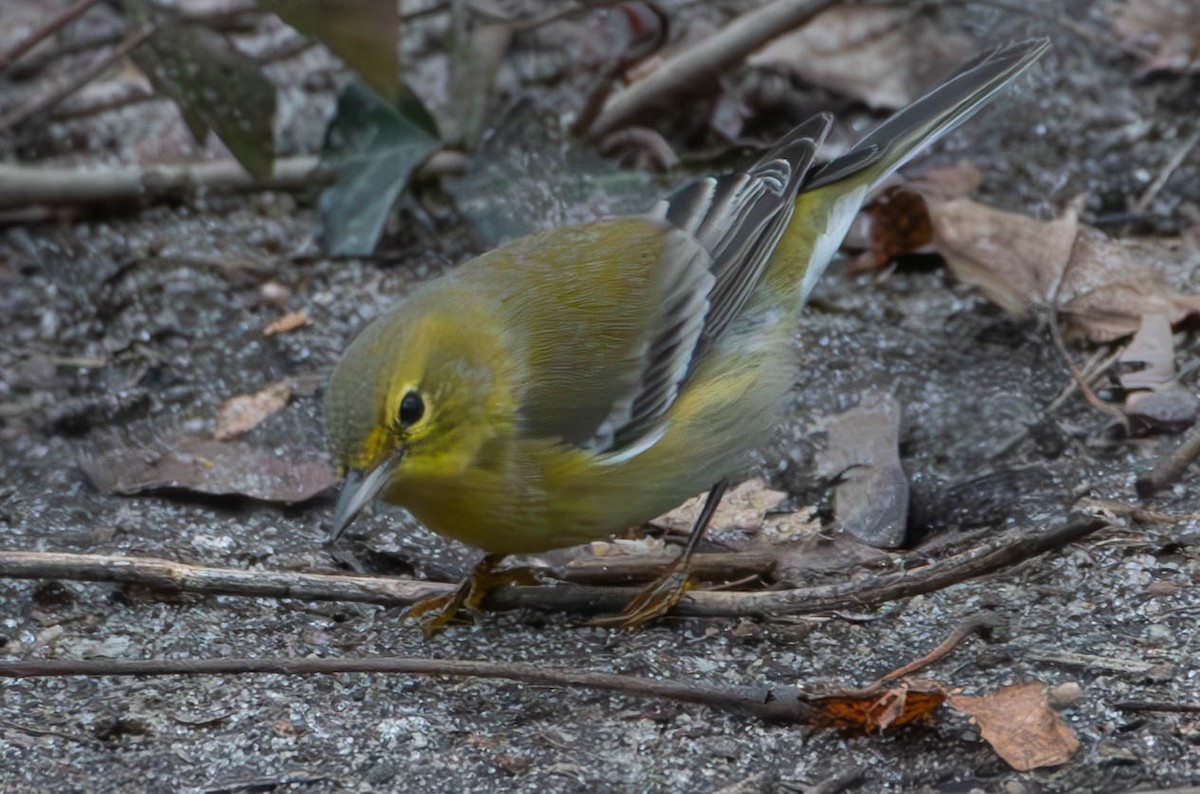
580 381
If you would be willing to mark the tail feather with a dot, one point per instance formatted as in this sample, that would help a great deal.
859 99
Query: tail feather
830 198
895 141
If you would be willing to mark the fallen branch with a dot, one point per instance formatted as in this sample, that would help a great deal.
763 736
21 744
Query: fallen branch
779 704
696 69
871 591
867 591
1171 468
54 25
795 704
22 186
1158 705
44 103
1172 165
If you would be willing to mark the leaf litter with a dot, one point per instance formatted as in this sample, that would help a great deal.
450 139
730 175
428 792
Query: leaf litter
1154 397
1100 287
883 56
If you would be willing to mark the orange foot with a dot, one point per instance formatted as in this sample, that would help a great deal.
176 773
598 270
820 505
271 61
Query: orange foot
657 599
661 595
441 610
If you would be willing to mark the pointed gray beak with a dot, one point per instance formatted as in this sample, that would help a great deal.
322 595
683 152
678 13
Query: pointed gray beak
358 491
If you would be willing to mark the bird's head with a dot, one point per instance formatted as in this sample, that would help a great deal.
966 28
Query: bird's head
417 394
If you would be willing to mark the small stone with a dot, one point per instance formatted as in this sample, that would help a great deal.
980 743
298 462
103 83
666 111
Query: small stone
1064 695
1161 589
380 774
1159 636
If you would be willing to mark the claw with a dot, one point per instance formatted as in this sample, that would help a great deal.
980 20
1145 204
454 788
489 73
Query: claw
656 600
661 595
442 610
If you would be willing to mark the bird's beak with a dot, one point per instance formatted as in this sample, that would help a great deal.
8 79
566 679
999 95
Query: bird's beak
359 490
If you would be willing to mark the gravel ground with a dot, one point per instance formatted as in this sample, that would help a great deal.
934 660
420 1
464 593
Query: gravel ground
130 327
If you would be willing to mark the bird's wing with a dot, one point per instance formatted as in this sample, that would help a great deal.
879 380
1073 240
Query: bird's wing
625 308
737 219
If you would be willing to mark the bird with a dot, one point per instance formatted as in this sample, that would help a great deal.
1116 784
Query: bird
579 381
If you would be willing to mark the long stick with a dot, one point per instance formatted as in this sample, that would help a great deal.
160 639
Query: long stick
869 591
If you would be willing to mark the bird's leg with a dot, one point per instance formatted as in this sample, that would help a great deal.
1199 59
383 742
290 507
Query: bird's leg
661 595
470 594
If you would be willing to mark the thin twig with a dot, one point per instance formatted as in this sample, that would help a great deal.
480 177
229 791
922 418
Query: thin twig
1140 515
45 31
49 100
37 185
776 704
224 21
22 185
860 592
1090 661
870 591
40 59
795 704
1092 370
697 68
1170 468
1080 378
835 783
980 625
1158 705
1171 166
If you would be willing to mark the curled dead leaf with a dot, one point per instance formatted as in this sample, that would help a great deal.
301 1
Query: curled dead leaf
879 709
239 415
1166 33
880 55
1154 396
897 218
871 496
288 322
1019 724
744 506
1100 287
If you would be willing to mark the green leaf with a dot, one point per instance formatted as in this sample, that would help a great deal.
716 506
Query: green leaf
363 33
373 147
216 87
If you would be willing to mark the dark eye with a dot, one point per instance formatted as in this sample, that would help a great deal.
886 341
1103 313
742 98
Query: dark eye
412 408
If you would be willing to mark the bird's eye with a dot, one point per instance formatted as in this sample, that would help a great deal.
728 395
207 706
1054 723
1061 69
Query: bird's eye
412 408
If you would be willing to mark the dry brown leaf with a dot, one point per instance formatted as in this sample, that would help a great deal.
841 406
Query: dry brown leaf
897 223
1111 284
1014 259
1155 397
744 506
1100 287
871 498
240 414
897 218
1165 32
276 474
880 55
1153 349
1019 724
878 710
288 322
